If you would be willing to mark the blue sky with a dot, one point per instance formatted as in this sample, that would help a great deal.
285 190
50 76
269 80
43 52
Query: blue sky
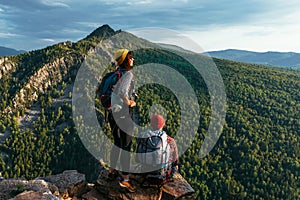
256 25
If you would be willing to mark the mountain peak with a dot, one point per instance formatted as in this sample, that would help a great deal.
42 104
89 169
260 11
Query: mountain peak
102 32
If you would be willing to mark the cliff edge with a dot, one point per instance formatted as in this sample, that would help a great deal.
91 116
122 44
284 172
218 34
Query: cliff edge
71 185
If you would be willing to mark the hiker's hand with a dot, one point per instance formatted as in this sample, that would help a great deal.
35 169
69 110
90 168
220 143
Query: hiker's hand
129 102
132 103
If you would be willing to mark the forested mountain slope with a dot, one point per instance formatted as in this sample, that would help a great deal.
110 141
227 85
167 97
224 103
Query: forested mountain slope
256 156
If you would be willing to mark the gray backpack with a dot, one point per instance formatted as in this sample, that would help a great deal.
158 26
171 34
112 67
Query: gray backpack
154 153
153 149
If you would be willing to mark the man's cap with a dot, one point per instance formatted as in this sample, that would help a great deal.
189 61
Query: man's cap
157 122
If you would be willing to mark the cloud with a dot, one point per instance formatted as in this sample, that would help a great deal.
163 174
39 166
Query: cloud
7 35
167 36
149 2
33 5
73 19
248 37
48 40
55 4
184 1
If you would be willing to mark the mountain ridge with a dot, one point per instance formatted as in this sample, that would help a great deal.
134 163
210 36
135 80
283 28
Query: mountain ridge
274 58
6 51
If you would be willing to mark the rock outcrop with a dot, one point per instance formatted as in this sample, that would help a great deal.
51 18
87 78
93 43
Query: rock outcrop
73 185
23 189
48 75
6 66
179 188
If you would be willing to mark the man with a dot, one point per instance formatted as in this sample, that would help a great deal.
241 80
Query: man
157 153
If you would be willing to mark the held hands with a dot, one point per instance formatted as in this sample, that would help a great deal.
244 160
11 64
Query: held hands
129 102
132 103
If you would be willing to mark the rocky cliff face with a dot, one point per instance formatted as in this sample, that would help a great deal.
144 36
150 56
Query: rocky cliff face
73 185
48 75
6 66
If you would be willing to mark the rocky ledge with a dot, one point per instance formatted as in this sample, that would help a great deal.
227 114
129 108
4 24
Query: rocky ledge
73 185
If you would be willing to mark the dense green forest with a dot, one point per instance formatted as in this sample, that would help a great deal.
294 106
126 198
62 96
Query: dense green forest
256 156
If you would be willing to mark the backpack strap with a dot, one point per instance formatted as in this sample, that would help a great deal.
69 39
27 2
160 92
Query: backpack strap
119 74
106 112
160 133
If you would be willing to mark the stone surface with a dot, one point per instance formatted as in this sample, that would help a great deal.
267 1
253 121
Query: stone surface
12 187
94 195
70 183
35 195
177 189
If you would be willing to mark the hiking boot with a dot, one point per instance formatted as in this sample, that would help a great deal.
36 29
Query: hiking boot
127 185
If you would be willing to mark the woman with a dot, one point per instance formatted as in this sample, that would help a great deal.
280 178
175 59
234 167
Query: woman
120 118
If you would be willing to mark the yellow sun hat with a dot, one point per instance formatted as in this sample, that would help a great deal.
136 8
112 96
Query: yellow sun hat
120 55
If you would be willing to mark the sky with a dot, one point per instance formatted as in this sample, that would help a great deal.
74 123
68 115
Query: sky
255 25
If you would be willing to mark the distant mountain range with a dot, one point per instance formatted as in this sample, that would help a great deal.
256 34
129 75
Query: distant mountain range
278 59
4 51
283 59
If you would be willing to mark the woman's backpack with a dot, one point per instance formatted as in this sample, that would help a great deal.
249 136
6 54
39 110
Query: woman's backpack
106 87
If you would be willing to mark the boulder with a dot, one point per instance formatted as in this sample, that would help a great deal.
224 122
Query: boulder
70 183
177 189
35 195
11 187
